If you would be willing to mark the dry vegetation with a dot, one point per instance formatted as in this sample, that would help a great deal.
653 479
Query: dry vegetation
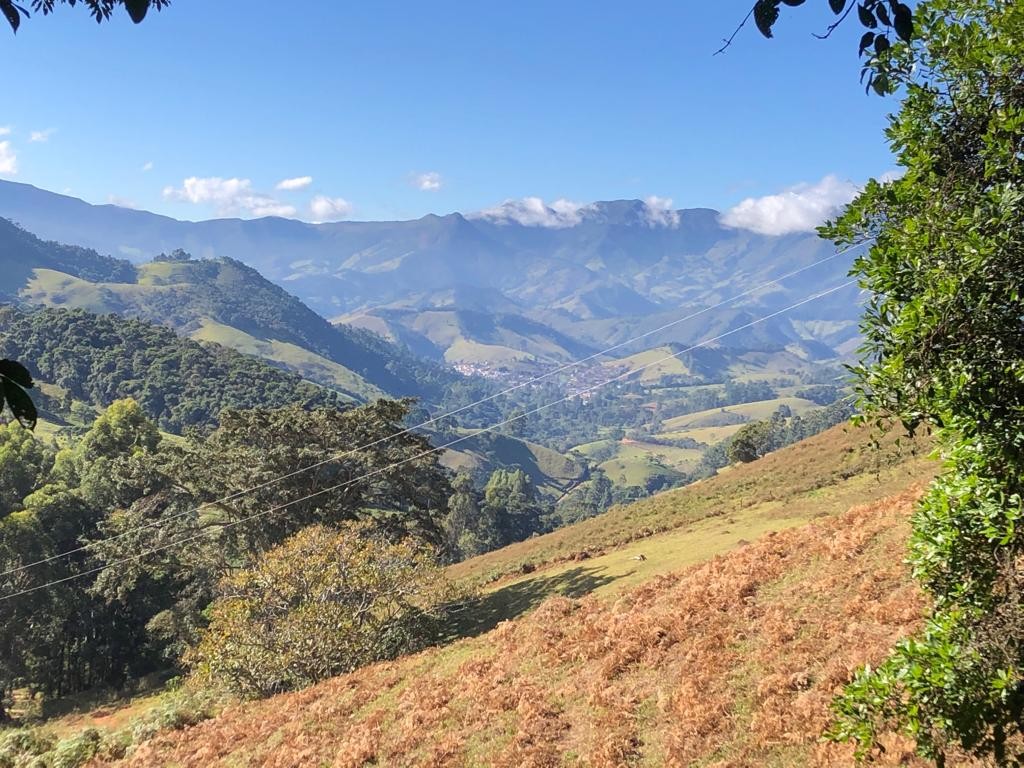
732 662
822 475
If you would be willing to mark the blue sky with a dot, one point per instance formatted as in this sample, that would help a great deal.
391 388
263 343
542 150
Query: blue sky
396 109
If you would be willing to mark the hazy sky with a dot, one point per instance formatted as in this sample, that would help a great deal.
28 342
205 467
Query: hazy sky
337 109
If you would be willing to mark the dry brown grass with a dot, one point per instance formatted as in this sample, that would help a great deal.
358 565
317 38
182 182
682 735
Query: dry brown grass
732 662
800 478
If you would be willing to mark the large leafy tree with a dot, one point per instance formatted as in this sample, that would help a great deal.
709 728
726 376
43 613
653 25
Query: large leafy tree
322 603
945 348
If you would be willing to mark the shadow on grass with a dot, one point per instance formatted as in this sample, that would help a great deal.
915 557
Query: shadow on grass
485 612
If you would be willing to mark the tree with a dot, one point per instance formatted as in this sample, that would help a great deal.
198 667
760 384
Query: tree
944 350
751 442
324 602
100 10
511 499
470 528
24 462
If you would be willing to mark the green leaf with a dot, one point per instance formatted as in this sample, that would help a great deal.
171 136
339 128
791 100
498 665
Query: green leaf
794 2
16 372
881 44
766 13
20 403
137 9
837 6
882 14
867 18
903 21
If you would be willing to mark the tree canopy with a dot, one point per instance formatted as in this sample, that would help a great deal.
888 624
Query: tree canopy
944 350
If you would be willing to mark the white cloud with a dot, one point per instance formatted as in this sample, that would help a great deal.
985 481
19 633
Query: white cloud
121 202
147 166
658 212
324 208
8 160
534 212
297 183
230 197
427 182
41 136
5 130
798 209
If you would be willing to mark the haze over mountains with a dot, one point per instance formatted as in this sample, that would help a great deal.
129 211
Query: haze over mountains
511 285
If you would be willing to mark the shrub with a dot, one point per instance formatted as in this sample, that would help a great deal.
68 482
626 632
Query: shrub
19 747
322 603
76 750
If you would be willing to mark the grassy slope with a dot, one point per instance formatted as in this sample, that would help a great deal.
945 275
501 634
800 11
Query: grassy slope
56 289
638 462
762 409
550 471
653 364
307 364
732 661
822 475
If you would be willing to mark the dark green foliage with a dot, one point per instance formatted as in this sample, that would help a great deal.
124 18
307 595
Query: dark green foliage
588 500
119 490
752 442
179 383
470 528
512 500
822 394
21 252
944 350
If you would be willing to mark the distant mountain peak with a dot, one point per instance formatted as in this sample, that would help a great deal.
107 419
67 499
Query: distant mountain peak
652 212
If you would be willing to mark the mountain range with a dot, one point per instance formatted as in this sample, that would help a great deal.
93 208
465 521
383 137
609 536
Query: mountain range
498 289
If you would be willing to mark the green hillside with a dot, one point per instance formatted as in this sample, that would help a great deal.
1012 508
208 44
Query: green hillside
736 414
472 336
825 473
308 364
83 359
218 299
482 452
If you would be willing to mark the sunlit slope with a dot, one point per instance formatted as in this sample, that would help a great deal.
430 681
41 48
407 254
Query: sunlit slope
308 364
822 475
56 289
483 452
732 661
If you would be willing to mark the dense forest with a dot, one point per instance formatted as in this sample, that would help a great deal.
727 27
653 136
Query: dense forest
97 359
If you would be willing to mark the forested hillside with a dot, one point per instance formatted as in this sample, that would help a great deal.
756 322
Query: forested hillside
179 383
219 300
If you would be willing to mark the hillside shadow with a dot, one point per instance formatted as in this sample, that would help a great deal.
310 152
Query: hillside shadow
485 612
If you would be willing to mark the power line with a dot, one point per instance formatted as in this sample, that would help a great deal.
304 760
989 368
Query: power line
434 420
272 510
